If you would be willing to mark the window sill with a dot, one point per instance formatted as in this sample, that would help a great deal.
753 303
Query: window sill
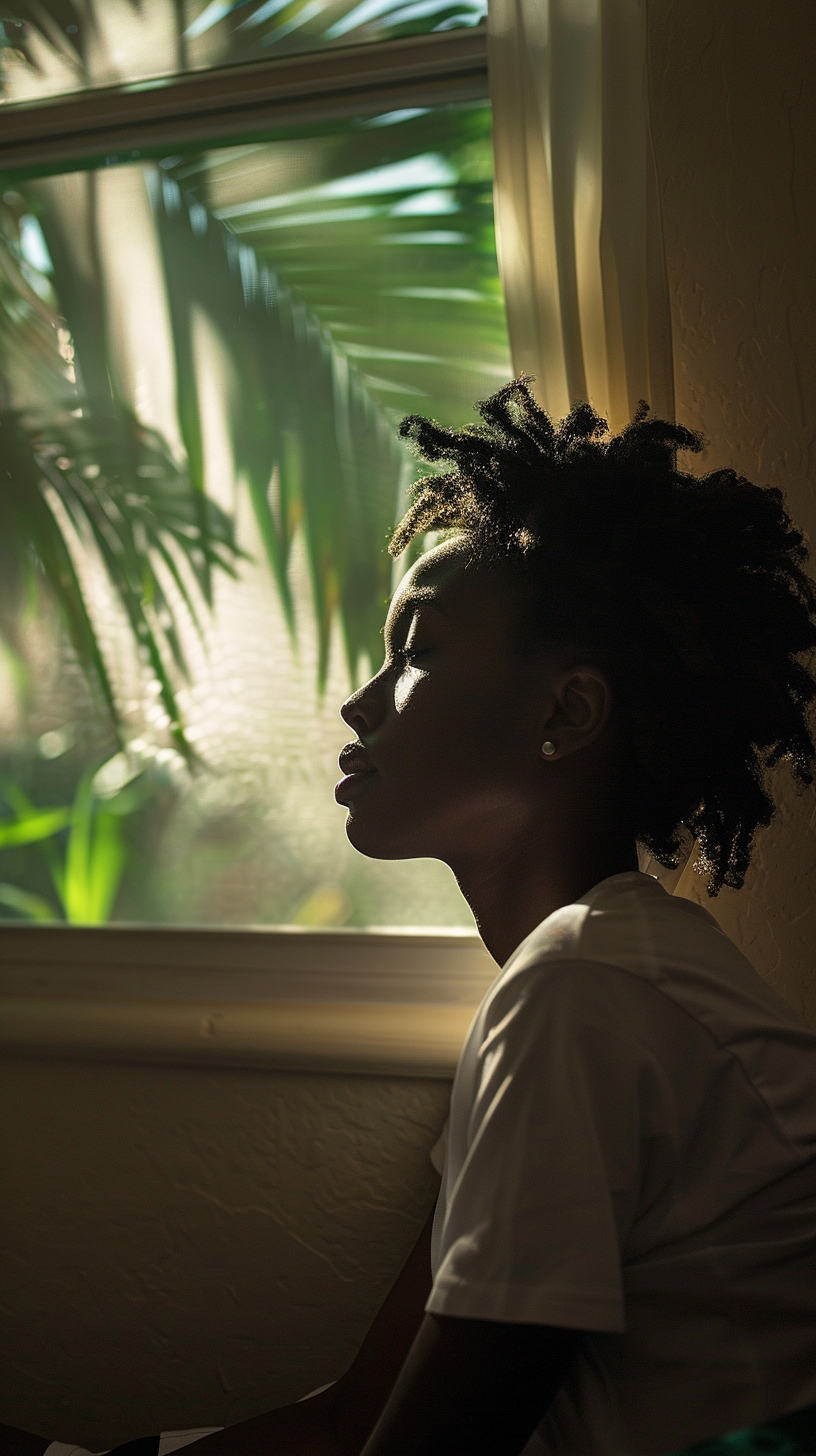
377 1002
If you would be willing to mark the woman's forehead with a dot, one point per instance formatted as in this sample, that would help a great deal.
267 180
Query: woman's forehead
441 563
468 590
429 577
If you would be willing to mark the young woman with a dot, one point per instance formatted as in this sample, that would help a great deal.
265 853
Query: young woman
603 652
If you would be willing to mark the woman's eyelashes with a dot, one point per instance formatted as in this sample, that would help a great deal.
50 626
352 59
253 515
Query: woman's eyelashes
407 643
409 656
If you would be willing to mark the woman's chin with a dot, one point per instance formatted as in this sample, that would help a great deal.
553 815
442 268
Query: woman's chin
377 840
366 841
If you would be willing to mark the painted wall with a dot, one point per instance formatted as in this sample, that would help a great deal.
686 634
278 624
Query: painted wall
733 109
190 1246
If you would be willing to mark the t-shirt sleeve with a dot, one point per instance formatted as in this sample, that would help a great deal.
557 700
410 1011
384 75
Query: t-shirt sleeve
538 1201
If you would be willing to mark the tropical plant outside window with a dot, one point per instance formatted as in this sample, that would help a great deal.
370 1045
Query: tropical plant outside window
203 358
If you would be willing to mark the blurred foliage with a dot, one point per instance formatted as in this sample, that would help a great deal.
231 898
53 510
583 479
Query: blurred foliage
77 471
369 292
108 482
308 442
383 228
82 845
339 306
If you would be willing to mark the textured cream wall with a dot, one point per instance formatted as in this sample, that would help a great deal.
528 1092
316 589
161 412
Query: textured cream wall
733 106
191 1246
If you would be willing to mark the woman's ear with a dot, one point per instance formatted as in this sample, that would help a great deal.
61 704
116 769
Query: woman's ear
581 702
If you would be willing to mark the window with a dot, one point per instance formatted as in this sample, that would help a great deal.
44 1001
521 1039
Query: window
213 314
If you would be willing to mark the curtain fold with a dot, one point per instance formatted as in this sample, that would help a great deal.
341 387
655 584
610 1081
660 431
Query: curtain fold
577 213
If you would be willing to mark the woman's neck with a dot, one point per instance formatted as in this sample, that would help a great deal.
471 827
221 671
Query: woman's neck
512 893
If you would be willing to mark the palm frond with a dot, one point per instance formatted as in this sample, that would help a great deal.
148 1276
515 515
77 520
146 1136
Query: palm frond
126 497
78 467
313 449
312 436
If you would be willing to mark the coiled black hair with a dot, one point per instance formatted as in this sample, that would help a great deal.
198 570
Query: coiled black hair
693 588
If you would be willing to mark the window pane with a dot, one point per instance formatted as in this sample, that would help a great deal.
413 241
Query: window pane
61 46
188 348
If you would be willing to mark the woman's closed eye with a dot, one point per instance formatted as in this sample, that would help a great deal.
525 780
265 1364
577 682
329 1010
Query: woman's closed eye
410 655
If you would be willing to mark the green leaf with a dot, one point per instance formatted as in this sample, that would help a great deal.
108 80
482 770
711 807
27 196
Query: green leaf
29 906
37 825
94 859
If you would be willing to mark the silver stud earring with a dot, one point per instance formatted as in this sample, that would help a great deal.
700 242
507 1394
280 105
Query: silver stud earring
548 748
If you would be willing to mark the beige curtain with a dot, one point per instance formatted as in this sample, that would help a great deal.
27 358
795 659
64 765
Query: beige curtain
577 216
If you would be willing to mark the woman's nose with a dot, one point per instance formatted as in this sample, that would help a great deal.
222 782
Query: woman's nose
363 711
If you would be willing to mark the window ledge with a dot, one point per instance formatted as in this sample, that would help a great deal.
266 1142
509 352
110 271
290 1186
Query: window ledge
386 1002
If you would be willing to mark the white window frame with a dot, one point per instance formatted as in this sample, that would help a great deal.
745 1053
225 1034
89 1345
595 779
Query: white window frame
354 1001
112 124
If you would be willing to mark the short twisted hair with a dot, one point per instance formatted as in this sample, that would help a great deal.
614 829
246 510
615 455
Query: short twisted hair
693 589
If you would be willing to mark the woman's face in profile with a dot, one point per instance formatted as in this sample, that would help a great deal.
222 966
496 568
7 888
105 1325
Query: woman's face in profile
447 759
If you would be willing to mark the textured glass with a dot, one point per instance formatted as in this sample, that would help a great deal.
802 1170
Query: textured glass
203 361
59 46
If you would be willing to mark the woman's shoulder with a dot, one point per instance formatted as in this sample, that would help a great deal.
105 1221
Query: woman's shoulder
627 948
630 922
628 919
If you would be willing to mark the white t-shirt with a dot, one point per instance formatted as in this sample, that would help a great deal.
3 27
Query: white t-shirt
632 1152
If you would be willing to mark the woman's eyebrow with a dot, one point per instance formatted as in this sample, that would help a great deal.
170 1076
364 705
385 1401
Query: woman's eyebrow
422 598
407 606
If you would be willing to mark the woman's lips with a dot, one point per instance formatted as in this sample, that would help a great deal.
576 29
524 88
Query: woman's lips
356 765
